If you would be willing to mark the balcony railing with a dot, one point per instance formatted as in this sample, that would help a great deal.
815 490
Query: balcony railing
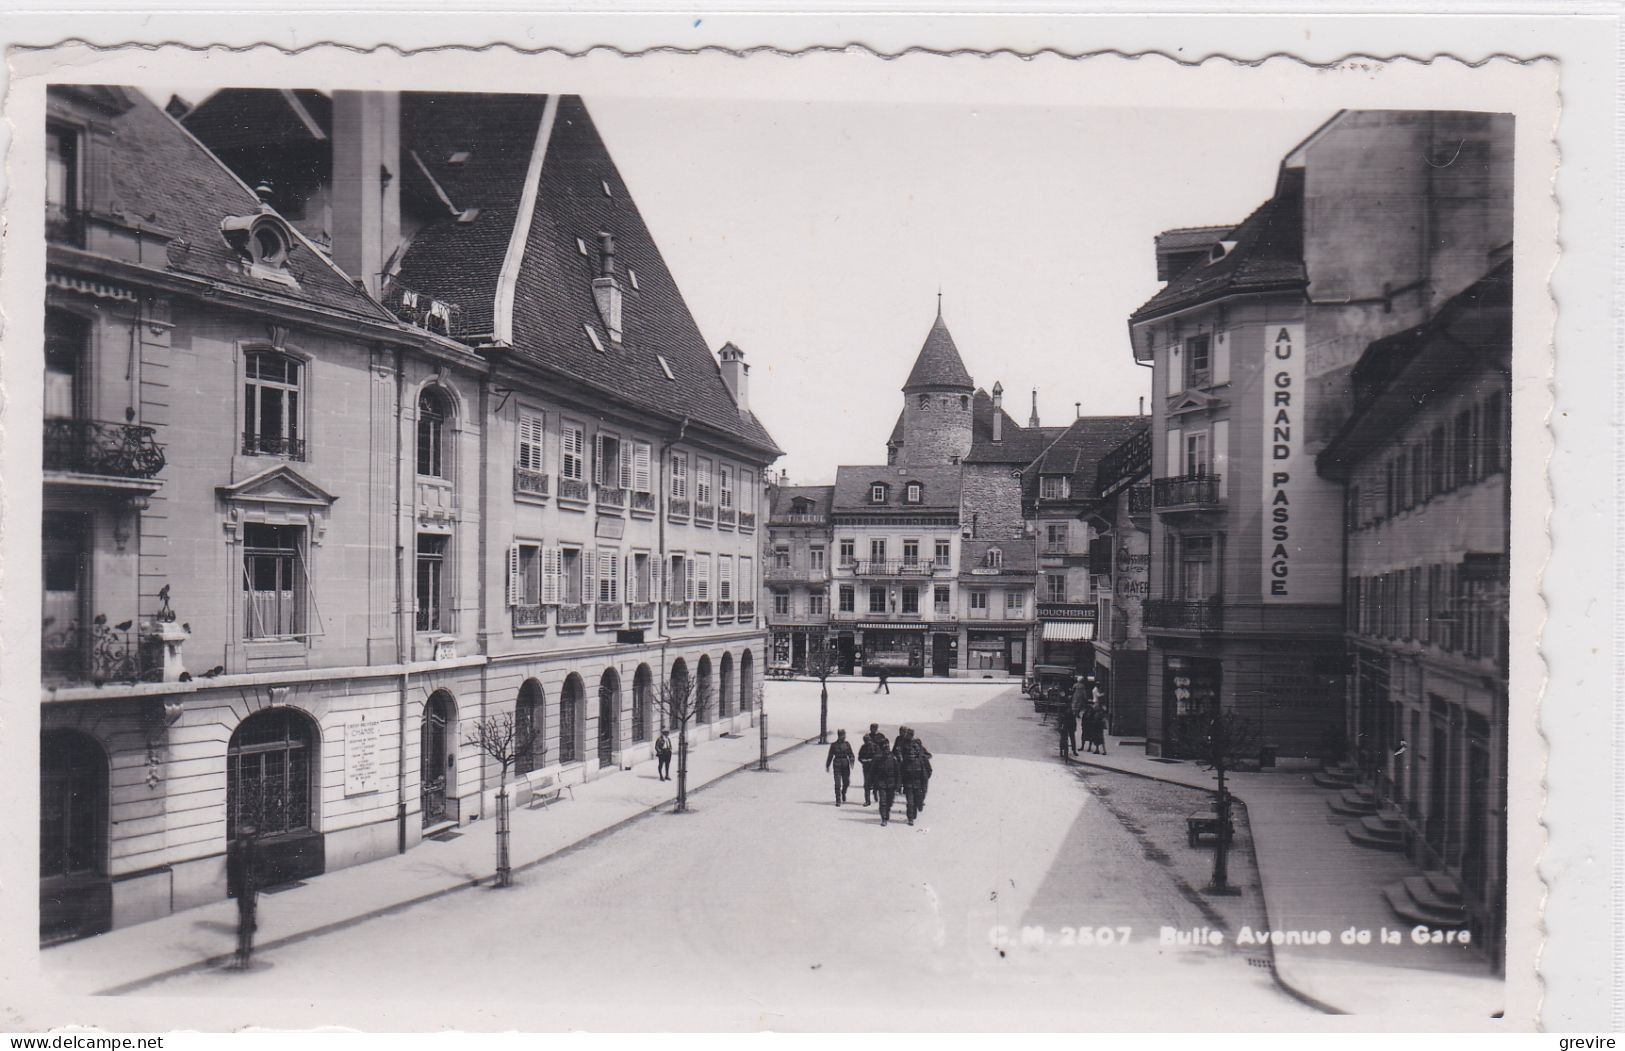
424 311
529 617
678 507
747 610
641 612
886 615
532 483
119 450
677 612
747 520
574 489
610 496
725 610
794 575
798 520
96 654
894 568
1187 492
727 516
273 445
609 614
643 502
1139 500
1179 615
705 512
63 224
573 615
702 610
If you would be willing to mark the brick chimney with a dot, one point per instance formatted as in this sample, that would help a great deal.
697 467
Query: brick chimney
736 375
998 411
606 287
366 183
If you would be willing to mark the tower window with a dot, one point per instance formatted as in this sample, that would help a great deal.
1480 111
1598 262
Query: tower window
925 401
964 401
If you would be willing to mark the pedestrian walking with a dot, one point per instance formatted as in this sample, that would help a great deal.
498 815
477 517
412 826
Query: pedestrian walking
1066 726
882 742
911 769
925 760
840 760
868 755
1080 704
1097 729
888 775
663 755
242 883
883 684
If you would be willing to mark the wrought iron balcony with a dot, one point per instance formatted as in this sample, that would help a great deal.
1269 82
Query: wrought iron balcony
531 483
643 502
1191 492
574 489
609 614
116 450
573 615
894 568
725 610
95 654
705 512
677 612
747 610
273 445
747 520
529 617
727 516
678 507
610 496
1139 500
641 612
1180 615
702 611
798 520
795 575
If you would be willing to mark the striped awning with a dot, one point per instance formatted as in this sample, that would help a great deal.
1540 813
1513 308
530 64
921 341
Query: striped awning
1069 630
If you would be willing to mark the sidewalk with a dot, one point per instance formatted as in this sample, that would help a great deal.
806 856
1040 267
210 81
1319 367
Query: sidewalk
131 957
1314 878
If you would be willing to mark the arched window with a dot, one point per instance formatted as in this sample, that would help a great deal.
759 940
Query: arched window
609 716
964 401
642 702
747 688
702 691
570 715
530 740
725 687
268 768
679 686
73 804
433 413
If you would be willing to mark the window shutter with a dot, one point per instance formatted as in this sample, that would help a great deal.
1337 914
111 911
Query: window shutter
550 576
703 587
1221 358
625 479
688 582
589 575
1176 366
514 590
640 469
598 459
1221 455
1175 450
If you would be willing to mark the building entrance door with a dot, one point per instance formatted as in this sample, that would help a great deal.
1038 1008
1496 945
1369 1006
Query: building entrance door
606 724
942 655
844 654
798 651
435 761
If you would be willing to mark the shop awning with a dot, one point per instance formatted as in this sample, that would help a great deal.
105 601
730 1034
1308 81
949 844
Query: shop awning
868 626
1069 630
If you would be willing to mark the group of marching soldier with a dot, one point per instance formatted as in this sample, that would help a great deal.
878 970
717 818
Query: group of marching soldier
888 768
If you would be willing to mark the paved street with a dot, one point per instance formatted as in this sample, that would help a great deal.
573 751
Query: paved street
769 907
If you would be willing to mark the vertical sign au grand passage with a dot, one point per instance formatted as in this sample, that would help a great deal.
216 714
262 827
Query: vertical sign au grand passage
1286 472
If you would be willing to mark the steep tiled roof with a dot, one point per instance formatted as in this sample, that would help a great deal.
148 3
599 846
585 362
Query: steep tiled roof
1018 557
234 118
165 178
554 299
1190 237
1016 444
938 364
1268 254
784 497
460 262
1077 452
940 488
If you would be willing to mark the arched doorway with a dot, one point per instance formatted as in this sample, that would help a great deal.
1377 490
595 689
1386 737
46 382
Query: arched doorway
271 793
74 894
438 760
642 702
703 708
530 728
570 719
679 686
725 687
609 716
747 688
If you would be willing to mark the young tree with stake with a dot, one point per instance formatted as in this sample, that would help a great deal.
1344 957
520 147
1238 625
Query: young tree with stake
821 665
503 739
679 703
1219 740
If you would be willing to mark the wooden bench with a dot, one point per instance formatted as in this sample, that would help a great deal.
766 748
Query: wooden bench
546 791
1204 823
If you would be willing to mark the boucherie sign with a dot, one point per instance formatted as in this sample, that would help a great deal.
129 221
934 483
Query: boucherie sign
1284 464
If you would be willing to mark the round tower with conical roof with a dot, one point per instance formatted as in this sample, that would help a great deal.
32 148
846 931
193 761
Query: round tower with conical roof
938 400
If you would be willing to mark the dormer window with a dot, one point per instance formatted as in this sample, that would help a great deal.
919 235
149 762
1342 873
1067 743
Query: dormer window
1053 487
877 493
913 493
62 204
995 558
262 242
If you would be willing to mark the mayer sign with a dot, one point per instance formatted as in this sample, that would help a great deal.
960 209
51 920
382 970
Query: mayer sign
1287 472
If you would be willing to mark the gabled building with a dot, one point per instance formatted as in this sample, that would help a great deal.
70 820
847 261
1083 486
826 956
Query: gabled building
796 570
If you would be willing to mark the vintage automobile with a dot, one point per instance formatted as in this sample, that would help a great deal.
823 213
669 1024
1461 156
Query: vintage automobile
1050 687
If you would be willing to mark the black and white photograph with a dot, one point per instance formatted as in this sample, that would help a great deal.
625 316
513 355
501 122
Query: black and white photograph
569 548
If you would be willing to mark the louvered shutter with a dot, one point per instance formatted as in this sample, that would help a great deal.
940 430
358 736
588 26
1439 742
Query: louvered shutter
1175 450
589 575
1221 455
624 481
531 432
725 578
703 586
598 459
640 469
1221 358
514 587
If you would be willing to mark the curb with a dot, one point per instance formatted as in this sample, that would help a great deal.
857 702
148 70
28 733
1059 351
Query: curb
400 906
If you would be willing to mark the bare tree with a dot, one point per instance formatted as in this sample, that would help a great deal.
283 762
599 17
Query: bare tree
680 703
820 666
503 739
1219 740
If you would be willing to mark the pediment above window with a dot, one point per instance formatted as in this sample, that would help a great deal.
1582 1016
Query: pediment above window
1192 401
277 485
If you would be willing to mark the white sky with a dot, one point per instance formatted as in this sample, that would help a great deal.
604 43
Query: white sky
814 237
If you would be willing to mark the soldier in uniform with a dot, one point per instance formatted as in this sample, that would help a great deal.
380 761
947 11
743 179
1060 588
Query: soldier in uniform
869 757
840 759
887 776
925 760
911 768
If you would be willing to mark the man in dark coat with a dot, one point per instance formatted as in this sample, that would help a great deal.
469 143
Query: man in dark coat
840 759
882 742
911 767
925 761
888 774
868 756
663 755
243 884
1066 724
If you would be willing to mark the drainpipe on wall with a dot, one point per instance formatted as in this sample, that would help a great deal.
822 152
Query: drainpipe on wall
480 575
400 615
